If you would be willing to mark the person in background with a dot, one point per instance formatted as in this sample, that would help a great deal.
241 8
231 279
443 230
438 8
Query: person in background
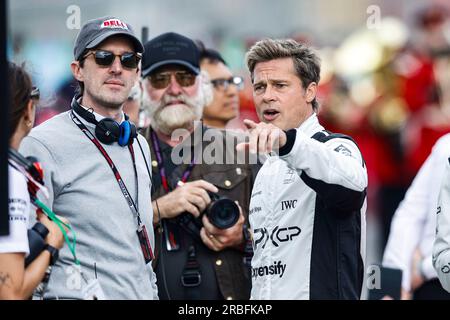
195 259
226 86
412 234
16 280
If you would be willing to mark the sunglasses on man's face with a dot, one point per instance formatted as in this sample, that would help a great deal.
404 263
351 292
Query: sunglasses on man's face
162 80
223 84
106 58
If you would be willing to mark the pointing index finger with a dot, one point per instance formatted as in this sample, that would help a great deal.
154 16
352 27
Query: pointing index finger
249 124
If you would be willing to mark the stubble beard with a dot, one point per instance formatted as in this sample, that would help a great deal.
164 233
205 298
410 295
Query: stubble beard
112 101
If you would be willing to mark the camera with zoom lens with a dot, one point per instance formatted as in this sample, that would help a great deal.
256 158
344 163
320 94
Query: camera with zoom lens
36 241
222 212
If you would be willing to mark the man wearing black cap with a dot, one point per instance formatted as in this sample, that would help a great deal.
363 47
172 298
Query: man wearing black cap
95 170
197 256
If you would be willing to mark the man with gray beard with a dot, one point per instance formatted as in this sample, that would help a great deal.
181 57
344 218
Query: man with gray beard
195 258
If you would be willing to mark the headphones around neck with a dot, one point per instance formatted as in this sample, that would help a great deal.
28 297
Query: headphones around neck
108 130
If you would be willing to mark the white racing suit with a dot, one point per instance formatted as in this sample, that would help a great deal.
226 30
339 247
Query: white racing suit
307 214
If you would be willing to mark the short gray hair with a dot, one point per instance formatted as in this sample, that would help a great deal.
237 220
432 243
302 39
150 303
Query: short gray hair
306 62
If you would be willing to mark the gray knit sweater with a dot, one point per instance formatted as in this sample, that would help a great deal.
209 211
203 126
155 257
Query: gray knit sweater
83 190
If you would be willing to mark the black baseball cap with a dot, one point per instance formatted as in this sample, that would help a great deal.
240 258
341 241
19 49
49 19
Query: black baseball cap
98 30
170 48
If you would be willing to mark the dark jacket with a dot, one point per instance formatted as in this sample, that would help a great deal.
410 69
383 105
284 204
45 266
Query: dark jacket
224 275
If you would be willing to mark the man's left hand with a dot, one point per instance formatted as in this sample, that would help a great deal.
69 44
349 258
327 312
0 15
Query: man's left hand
218 239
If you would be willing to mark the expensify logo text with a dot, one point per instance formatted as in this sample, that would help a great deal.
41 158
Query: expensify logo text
277 268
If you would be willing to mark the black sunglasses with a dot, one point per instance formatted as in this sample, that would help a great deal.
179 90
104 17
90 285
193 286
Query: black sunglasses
223 84
35 93
161 80
106 58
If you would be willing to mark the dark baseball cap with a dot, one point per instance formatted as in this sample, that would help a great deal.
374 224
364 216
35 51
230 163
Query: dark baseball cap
170 48
98 30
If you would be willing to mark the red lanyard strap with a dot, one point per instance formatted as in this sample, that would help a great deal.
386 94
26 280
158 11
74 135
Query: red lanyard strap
162 170
113 167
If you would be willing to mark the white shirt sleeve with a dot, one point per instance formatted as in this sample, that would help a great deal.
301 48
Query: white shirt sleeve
441 248
19 211
415 214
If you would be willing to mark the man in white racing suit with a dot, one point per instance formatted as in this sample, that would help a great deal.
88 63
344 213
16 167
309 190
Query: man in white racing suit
307 211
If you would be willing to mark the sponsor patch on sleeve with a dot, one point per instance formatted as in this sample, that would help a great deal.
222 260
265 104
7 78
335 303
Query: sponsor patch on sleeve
344 150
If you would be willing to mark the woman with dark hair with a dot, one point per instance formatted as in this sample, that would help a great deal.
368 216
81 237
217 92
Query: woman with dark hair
16 280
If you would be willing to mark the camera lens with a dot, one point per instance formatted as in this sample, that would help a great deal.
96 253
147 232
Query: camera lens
223 213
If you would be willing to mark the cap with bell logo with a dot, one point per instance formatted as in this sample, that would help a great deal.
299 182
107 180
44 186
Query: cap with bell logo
98 30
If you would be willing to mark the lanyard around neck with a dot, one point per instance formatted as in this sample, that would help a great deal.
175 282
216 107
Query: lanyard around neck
162 170
111 164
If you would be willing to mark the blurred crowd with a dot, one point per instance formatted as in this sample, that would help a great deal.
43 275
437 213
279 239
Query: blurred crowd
393 101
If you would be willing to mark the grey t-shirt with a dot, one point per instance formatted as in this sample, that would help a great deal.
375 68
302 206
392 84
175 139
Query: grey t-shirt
83 189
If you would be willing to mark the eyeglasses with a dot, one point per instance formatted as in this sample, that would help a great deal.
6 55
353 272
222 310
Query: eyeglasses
35 93
162 80
106 58
223 84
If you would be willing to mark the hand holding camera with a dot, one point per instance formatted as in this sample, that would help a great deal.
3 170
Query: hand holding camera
217 238
55 237
217 221
44 234
191 197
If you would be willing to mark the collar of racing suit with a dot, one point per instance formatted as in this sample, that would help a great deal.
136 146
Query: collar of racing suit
310 126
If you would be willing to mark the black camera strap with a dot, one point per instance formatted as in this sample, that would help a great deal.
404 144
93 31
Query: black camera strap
141 230
191 276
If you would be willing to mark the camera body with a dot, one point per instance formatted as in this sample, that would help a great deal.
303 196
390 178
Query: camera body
222 212
36 241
